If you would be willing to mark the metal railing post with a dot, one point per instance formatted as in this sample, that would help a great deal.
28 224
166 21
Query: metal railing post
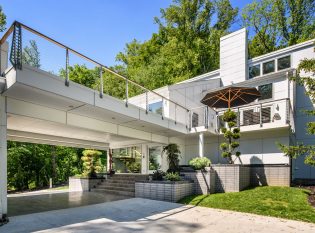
146 102
175 114
101 82
190 119
238 118
67 68
260 116
127 93
162 108
206 117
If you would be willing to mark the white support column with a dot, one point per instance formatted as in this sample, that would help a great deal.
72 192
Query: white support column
201 145
144 159
3 160
107 160
4 57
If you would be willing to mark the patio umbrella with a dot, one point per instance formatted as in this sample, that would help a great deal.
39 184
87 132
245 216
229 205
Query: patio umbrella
231 97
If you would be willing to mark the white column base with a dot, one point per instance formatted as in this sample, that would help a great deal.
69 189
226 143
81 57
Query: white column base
201 145
3 161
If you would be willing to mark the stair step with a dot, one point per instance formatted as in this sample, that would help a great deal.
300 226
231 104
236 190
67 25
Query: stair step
116 192
117 189
107 186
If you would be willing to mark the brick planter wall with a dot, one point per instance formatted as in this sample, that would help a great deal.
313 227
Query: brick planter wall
231 177
171 191
271 175
77 184
204 181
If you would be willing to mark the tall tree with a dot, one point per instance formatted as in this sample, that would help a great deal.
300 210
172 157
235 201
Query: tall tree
31 55
3 20
274 24
186 44
307 68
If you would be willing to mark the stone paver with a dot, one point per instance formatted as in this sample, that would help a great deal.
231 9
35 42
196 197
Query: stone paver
142 215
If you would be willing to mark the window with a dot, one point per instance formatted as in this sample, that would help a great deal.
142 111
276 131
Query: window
284 62
254 71
156 107
265 91
195 120
268 67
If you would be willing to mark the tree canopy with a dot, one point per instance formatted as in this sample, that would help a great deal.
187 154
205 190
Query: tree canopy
275 24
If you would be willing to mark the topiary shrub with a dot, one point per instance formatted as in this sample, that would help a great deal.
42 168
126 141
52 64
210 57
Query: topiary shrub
173 154
173 176
158 175
91 163
199 163
231 134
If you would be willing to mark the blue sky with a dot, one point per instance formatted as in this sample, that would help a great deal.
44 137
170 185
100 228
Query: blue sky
97 28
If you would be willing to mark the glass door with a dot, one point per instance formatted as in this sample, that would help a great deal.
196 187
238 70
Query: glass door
155 158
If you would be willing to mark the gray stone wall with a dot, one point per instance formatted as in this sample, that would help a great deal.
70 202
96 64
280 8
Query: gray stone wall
163 190
231 177
271 175
204 181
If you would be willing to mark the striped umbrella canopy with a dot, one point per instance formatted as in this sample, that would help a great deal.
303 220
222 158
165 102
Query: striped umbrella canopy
231 97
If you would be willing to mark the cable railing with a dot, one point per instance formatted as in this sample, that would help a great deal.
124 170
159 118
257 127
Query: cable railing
275 112
123 88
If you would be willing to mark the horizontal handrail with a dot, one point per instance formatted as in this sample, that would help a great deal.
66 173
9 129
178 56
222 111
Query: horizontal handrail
255 104
10 30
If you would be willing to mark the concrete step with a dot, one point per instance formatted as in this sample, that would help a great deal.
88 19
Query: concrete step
115 186
117 189
121 182
115 192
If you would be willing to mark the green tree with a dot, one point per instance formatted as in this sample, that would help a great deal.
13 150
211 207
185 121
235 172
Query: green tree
3 20
186 44
91 162
231 135
278 23
306 66
31 55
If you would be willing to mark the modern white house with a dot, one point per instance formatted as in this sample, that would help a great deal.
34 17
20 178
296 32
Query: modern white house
41 107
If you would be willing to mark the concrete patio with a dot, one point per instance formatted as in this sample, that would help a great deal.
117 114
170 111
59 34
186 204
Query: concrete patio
142 215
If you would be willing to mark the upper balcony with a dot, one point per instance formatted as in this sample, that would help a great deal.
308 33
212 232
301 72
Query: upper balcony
273 114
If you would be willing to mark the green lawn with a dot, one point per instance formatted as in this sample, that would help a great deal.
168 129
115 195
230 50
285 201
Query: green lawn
283 202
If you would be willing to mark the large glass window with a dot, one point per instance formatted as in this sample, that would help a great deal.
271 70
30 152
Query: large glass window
254 71
127 160
155 158
269 67
265 91
156 107
284 62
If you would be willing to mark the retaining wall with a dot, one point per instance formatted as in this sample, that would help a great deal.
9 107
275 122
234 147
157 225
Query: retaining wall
171 191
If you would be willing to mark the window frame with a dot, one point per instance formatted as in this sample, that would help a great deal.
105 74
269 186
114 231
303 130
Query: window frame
259 66
275 66
272 94
290 60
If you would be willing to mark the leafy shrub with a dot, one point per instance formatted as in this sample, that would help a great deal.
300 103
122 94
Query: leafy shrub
158 175
199 163
91 162
173 154
172 176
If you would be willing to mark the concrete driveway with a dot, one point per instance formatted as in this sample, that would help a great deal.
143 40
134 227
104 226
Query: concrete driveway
142 215
35 202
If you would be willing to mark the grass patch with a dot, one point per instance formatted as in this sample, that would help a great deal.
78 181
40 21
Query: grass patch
283 202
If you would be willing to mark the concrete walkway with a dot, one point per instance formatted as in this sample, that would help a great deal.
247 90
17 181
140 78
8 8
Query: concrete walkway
141 215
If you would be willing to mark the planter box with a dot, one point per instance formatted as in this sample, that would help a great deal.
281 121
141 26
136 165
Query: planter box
171 191
78 184
231 177
271 175
204 180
